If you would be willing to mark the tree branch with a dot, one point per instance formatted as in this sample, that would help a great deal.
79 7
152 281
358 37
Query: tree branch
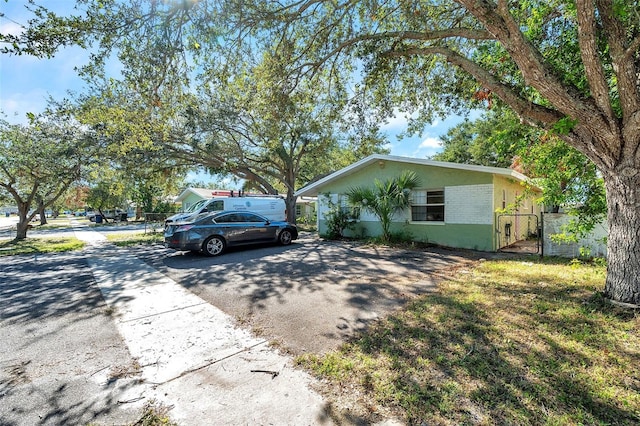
471 34
537 74
499 22
626 70
535 114
632 49
589 52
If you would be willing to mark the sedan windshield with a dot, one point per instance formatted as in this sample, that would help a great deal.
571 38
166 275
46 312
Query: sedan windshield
195 206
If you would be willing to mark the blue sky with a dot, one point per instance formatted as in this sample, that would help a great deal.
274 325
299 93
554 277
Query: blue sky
26 82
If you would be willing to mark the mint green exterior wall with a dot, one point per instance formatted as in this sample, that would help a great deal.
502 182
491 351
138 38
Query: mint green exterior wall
190 199
458 235
430 177
474 237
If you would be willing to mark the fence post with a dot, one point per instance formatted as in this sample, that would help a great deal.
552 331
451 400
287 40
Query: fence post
541 234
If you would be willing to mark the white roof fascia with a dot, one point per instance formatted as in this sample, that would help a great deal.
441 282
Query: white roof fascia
196 191
311 189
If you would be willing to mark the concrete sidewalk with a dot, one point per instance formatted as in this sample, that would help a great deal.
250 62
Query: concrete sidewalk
193 358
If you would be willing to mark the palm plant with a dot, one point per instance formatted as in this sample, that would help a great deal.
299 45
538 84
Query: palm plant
385 198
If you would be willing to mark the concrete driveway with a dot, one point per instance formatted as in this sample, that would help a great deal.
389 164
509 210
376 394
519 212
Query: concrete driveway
88 337
312 295
85 335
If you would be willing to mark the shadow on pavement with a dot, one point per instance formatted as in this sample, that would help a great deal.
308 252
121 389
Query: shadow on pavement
59 347
42 286
311 295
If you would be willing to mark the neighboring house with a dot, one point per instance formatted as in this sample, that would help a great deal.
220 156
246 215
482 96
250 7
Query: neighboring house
190 196
456 205
306 209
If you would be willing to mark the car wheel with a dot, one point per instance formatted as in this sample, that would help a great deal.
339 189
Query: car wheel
213 246
285 237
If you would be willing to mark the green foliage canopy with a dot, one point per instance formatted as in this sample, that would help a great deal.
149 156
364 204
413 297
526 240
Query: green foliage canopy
40 161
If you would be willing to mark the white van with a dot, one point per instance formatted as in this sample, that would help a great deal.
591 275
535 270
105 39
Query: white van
273 208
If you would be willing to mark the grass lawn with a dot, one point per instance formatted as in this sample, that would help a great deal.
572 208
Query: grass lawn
124 239
60 222
57 223
39 245
516 342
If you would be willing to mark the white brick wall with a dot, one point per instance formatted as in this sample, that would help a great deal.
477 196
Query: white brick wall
323 205
466 204
469 204
553 223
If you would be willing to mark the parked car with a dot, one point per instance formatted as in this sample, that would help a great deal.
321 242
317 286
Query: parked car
272 207
212 233
116 214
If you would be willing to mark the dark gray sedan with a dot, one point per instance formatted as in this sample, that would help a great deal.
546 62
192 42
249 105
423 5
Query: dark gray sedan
212 233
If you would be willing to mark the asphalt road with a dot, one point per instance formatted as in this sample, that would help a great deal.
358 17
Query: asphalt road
60 352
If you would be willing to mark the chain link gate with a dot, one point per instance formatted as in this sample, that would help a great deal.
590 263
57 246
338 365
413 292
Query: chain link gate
519 233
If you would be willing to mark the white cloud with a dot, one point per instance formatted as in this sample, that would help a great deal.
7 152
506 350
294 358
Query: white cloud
428 147
395 123
18 104
430 142
398 122
11 28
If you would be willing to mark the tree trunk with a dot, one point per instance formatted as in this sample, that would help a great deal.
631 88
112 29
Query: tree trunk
104 219
290 202
623 243
42 212
23 222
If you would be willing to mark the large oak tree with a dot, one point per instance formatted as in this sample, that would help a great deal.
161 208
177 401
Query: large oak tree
275 132
39 162
571 66
200 91
568 65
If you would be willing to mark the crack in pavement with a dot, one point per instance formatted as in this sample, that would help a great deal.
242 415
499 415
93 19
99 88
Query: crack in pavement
188 349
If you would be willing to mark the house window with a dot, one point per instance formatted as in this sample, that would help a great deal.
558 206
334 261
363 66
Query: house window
352 212
427 206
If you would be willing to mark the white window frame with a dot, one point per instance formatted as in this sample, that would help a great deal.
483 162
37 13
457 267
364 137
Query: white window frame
353 212
427 204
